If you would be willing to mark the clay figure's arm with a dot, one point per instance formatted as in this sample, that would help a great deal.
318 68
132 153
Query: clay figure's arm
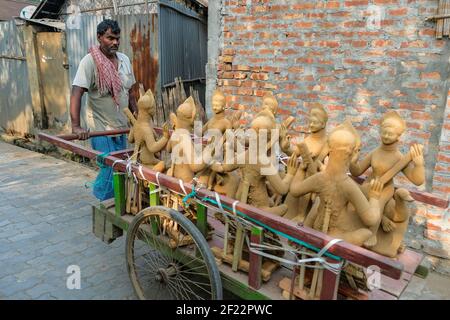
415 171
156 146
368 211
281 185
310 184
358 168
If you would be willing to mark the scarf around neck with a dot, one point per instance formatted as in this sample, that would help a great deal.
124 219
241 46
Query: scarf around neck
108 80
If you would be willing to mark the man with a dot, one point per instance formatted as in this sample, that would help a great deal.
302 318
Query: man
107 76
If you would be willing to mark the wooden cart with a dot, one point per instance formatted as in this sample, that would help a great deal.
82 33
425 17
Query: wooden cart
187 269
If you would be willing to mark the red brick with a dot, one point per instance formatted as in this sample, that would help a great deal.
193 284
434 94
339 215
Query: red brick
244 91
381 43
426 96
259 76
303 24
416 85
414 44
359 44
239 10
354 3
411 106
398 12
304 6
355 81
288 52
430 75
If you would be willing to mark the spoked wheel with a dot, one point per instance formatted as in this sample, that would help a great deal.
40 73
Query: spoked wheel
162 266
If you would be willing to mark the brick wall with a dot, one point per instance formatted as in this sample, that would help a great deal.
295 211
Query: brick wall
358 58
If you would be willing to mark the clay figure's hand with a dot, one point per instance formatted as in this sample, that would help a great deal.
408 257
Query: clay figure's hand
376 187
283 131
165 129
217 167
387 224
286 142
82 133
416 151
292 165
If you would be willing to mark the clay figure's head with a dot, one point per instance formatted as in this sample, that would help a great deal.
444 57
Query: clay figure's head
318 118
270 103
185 114
146 103
392 127
344 140
218 102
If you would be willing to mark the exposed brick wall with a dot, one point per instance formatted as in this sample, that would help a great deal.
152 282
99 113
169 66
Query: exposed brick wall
339 54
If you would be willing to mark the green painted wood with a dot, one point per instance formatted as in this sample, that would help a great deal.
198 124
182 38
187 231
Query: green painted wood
238 288
154 201
154 197
202 219
119 193
255 260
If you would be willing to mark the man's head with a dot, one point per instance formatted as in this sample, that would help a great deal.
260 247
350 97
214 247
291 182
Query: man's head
146 103
108 35
344 142
218 102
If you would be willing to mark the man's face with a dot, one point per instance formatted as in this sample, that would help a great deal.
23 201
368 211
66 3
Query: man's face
109 42
389 134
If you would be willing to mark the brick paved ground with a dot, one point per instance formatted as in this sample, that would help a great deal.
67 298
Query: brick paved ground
45 223
45 226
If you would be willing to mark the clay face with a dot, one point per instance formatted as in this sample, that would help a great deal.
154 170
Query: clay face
317 121
218 103
390 132
271 104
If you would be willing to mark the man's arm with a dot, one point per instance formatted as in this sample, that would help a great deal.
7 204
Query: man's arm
75 106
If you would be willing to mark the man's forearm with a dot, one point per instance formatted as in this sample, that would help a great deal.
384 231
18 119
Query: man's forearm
75 106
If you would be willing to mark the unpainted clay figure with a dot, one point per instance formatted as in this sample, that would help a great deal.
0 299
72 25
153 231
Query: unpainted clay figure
313 150
387 161
184 166
252 187
350 214
143 135
269 109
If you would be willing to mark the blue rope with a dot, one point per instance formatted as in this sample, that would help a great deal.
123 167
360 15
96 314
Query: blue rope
188 196
302 243
100 159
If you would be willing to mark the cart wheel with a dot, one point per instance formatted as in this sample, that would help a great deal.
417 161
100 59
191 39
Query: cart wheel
162 266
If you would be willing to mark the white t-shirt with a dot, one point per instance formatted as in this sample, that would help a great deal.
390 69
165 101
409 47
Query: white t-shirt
102 113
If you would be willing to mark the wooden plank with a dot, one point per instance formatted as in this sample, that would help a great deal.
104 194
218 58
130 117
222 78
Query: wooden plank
330 284
446 22
440 22
254 275
202 219
119 193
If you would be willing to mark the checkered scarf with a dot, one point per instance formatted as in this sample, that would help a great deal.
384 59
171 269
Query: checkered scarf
108 80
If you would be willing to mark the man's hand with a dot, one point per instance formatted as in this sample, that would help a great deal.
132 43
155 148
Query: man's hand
82 133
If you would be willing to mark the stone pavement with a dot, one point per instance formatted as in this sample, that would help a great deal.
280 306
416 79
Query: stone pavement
45 227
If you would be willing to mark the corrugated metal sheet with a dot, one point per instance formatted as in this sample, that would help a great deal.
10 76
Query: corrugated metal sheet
15 107
139 41
183 44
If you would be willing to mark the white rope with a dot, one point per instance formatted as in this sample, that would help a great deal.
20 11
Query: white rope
234 207
219 202
182 186
257 248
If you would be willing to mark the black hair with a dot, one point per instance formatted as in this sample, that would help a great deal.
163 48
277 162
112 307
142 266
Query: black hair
108 24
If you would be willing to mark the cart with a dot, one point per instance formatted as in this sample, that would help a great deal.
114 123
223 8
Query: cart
183 258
